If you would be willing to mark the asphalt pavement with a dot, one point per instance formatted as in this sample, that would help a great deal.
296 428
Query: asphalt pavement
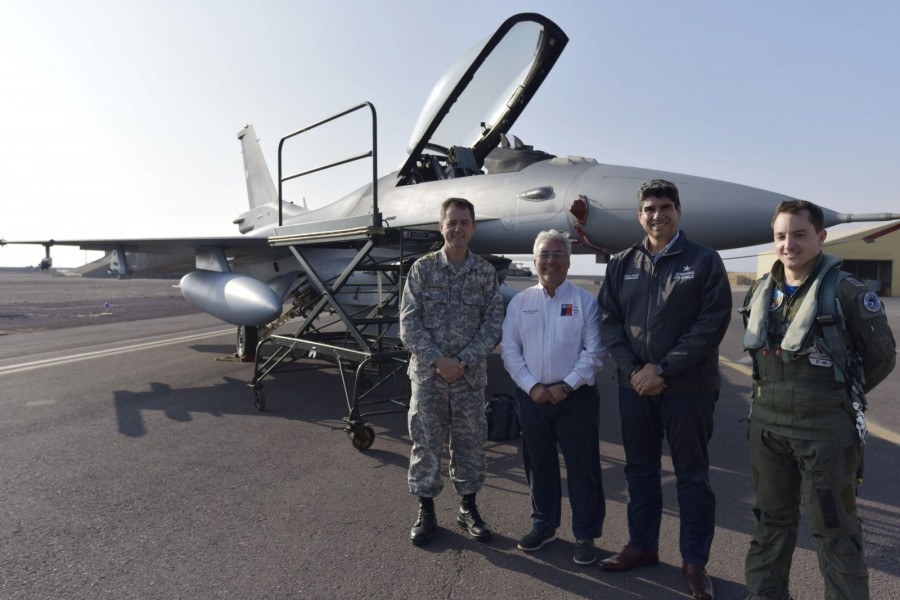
134 465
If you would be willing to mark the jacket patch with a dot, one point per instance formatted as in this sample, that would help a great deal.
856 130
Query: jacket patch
818 359
777 299
631 276
686 273
872 302
567 310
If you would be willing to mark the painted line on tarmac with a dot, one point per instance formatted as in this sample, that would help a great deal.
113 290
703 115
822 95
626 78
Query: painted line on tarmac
736 366
63 360
874 428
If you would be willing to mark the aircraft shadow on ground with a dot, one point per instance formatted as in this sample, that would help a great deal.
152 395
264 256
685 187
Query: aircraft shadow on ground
303 390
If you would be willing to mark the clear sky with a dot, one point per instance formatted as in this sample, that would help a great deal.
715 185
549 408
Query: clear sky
121 117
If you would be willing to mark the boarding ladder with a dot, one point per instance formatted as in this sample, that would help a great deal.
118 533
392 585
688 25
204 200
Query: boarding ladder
354 324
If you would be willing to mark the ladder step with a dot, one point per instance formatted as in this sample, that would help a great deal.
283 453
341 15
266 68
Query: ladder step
375 320
380 267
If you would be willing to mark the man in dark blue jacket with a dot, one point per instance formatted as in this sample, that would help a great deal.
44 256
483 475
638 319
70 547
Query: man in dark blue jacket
664 307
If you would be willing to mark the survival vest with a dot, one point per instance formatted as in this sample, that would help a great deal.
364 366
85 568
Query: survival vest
820 307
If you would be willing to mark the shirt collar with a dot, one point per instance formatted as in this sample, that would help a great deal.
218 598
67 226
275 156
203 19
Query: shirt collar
561 288
662 252
445 260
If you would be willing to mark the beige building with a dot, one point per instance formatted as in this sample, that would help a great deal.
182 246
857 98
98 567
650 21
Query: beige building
871 253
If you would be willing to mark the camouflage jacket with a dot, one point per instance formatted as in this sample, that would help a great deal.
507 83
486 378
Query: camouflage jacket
449 312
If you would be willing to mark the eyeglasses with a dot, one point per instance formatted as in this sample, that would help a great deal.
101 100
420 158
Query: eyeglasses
558 255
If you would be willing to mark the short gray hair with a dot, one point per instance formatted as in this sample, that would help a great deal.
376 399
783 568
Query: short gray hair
552 234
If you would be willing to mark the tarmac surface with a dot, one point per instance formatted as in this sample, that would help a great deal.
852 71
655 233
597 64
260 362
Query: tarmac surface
33 301
134 465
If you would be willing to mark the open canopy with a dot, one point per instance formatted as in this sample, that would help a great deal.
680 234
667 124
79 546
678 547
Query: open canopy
483 93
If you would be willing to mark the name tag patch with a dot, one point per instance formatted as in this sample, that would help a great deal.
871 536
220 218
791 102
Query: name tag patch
820 360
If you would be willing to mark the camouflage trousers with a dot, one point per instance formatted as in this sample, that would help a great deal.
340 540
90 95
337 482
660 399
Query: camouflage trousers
439 412
823 475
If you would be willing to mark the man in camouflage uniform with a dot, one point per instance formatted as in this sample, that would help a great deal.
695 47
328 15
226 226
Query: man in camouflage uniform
805 433
450 318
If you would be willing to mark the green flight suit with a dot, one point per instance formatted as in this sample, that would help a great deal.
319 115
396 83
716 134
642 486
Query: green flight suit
804 444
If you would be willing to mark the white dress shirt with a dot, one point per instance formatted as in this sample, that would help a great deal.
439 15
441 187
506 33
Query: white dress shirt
549 340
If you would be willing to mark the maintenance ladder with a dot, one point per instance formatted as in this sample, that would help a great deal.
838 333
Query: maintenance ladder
365 336
343 327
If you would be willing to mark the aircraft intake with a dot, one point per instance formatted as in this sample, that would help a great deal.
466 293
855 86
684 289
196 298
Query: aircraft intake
233 297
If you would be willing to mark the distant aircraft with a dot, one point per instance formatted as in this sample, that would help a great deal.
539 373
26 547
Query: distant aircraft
460 147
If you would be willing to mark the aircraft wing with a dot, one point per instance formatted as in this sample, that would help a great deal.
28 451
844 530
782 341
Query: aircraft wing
238 244
147 257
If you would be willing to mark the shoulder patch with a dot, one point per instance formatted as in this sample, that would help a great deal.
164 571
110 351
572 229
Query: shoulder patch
871 302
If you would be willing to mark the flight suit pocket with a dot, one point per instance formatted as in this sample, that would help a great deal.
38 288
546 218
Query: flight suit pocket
878 342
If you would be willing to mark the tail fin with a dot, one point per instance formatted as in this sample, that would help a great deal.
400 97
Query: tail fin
260 188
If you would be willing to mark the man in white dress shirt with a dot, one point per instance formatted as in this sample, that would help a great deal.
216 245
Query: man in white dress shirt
551 348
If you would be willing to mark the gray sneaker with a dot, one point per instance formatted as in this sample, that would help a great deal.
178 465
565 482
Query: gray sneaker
534 539
585 552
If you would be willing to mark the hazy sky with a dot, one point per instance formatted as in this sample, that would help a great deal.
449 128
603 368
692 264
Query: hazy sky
121 117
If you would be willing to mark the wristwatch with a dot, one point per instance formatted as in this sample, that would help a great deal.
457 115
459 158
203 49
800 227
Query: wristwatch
659 369
567 388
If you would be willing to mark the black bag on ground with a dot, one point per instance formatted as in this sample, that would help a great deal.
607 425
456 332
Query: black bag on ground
502 418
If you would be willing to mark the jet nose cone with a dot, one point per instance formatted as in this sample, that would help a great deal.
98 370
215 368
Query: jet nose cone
715 213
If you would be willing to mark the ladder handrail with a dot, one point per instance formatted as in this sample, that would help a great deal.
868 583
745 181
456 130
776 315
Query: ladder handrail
376 216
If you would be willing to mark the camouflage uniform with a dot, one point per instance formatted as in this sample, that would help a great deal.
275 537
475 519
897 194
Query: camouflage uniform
449 312
803 438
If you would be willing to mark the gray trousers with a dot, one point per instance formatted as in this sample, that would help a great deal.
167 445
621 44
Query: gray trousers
439 412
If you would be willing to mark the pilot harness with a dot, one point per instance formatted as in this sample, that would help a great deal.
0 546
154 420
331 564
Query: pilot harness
832 341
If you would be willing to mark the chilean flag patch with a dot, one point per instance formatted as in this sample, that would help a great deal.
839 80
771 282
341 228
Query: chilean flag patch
566 310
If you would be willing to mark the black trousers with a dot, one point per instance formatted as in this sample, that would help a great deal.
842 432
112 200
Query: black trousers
687 422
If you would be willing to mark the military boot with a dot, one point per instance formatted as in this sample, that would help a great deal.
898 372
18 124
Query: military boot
425 523
469 519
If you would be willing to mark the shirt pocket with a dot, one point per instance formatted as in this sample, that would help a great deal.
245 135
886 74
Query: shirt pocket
434 307
569 329
473 298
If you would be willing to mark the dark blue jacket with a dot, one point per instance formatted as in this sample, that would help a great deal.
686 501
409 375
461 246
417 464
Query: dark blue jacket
673 314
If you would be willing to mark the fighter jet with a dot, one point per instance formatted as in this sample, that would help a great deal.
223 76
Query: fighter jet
460 147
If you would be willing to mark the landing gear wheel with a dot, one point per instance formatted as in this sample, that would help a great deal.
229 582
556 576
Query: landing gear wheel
247 339
361 436
259 400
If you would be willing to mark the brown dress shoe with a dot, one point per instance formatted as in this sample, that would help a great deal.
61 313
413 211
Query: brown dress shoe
629 558
698 582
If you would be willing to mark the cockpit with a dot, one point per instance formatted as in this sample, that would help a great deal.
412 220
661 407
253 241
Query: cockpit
462 130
